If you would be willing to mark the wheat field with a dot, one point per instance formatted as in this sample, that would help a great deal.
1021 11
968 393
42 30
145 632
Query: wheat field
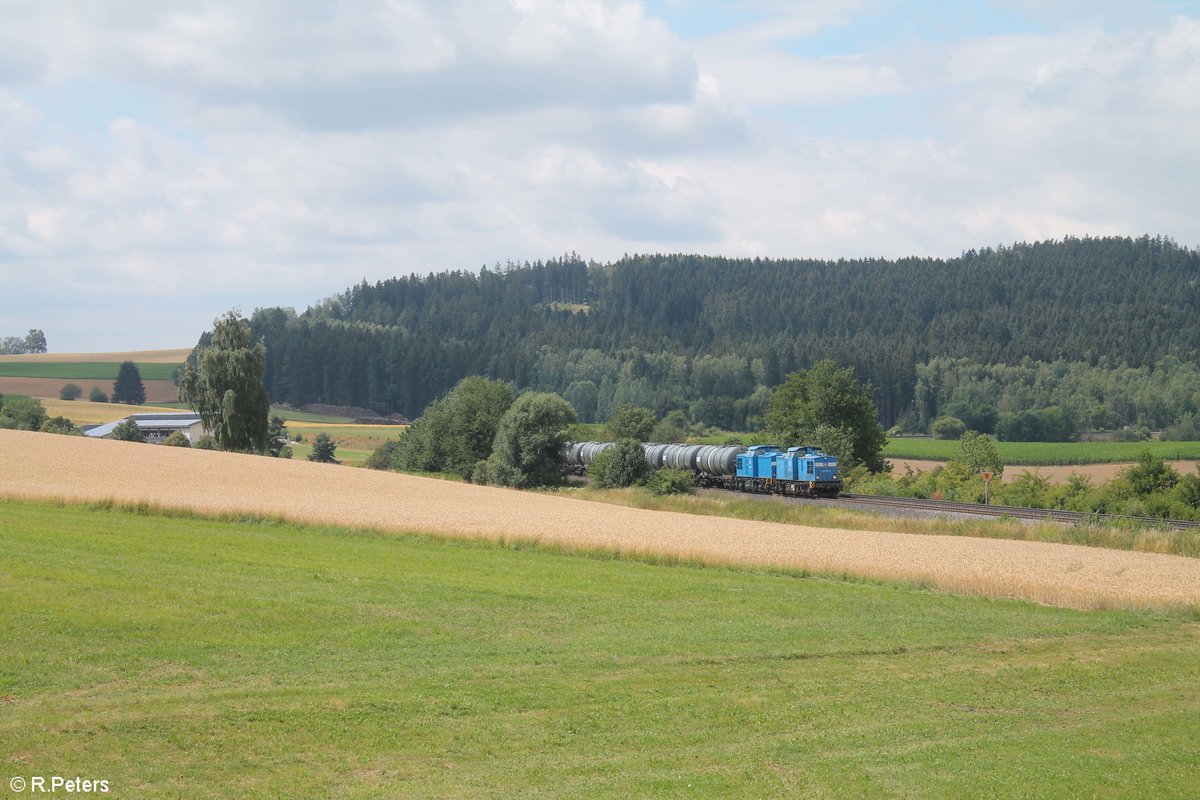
175 355
45 466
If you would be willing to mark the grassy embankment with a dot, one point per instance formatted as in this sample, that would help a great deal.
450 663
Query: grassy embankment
196 658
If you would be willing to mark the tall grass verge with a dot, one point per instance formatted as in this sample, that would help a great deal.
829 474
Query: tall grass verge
1129 535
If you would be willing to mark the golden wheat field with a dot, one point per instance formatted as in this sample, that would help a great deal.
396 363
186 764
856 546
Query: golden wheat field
83 412
34 465
175 355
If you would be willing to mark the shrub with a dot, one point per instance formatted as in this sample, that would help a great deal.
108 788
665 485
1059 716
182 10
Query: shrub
1185 431
673 428
177 439
70 391
671 481
623 464
206 443
61 425
23 413
947 428
128 431
97 396
384 456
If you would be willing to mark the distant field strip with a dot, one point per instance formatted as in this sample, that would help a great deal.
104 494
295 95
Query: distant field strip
83 370
81 412
175 355
50 467
1047 453
156 391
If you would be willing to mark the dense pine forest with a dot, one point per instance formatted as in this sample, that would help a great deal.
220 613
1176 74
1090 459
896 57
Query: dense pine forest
711 336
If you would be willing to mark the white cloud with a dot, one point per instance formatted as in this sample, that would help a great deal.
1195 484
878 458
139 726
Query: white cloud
275 153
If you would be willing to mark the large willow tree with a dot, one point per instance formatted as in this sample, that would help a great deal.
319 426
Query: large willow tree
225 386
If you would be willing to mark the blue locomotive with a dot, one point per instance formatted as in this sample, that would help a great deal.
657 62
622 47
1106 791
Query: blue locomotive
802 471
806 471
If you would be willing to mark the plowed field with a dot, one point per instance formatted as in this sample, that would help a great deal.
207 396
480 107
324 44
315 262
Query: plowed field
46 466
156 391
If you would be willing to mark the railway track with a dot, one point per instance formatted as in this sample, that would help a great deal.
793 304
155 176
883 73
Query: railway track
1016 512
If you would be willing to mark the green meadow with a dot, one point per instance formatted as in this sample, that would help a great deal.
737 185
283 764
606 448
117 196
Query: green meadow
1046 454
195 658
85 371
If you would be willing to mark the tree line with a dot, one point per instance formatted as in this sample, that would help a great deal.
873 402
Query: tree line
711 337
32 342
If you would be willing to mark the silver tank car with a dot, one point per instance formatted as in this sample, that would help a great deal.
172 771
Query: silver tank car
715 460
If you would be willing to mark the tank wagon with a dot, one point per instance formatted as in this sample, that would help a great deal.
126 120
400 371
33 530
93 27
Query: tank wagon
800 471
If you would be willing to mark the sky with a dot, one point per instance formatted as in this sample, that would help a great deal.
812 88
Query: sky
162 162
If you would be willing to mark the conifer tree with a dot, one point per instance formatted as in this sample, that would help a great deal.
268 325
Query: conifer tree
128 387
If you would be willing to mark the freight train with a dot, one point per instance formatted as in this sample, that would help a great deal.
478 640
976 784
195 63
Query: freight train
801 471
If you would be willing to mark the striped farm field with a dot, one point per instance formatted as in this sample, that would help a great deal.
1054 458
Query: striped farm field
73 469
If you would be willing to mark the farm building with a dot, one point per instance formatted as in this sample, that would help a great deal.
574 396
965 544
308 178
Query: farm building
156 427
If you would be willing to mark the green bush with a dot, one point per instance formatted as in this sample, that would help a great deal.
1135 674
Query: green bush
529 440
97 395
671 481
384 456
947 428
177 439
623 464
61 425
70 391
128 431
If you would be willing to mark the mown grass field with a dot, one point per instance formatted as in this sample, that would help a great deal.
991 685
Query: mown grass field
78 371
187 658
355 442
1046 453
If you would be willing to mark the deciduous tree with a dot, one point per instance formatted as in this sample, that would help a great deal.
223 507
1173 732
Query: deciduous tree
631 422
226 388
830 408
529 441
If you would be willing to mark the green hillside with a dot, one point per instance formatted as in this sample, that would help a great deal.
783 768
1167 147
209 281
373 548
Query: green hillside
711 336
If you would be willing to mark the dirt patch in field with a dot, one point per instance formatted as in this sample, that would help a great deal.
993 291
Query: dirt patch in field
48 466
1099 473
156 391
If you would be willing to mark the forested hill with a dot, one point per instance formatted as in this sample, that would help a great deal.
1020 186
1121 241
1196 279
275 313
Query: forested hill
710 334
